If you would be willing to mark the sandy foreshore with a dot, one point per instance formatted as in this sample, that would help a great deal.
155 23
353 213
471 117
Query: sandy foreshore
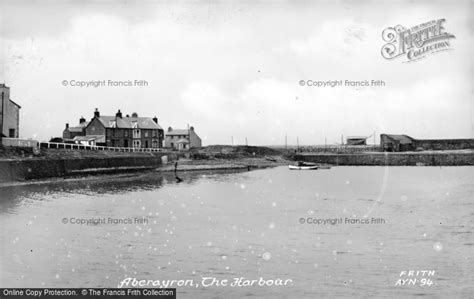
222 164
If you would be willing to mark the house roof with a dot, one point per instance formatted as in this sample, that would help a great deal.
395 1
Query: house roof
75 129
403 139
89 138
357 137
126 122
15 103
79 128
178 132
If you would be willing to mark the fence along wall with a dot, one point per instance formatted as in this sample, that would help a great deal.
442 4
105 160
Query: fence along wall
17 142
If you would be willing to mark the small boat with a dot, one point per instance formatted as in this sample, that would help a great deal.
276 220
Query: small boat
303 167
303 163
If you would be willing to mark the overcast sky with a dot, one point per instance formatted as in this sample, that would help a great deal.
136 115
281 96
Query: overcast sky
233 68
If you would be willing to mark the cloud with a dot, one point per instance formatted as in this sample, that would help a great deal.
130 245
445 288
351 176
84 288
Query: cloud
233 69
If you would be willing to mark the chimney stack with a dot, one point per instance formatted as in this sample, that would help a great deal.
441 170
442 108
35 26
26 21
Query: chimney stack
134 114
96 113
118 114
67 125
82 120
170 129
155 119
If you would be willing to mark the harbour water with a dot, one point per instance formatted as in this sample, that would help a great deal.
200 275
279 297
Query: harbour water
367 225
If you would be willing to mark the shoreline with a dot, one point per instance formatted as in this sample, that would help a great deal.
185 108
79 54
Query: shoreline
184 166
73 164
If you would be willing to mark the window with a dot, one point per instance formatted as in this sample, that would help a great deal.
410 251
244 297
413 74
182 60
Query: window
125 133
136 133
134 124
146 134
153 133
11 133
136 143
112 124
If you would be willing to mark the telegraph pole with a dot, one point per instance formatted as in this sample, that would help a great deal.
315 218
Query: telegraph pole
3 115
374 140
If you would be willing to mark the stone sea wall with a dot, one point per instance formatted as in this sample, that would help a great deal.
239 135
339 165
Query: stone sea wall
392 159
31 168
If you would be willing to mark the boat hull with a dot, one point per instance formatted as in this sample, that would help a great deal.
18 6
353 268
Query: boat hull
293 167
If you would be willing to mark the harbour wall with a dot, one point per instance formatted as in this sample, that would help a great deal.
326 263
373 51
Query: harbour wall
392 159
36 168
444 144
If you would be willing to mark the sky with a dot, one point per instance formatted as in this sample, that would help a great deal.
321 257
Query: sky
232 69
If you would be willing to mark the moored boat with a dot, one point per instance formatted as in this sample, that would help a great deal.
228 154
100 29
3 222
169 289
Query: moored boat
309 167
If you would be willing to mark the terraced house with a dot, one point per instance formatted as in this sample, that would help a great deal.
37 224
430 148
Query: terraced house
125 131
182 139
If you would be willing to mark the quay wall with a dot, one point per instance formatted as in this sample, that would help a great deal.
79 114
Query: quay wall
35 168
391 159
444 144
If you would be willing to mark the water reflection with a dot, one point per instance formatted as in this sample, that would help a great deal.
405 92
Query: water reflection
11 196
245 224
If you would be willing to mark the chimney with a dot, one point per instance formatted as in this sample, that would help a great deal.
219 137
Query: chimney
127 115
118 114
134 114
67 125
96 113
155 119
191 128
82 120
170 129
